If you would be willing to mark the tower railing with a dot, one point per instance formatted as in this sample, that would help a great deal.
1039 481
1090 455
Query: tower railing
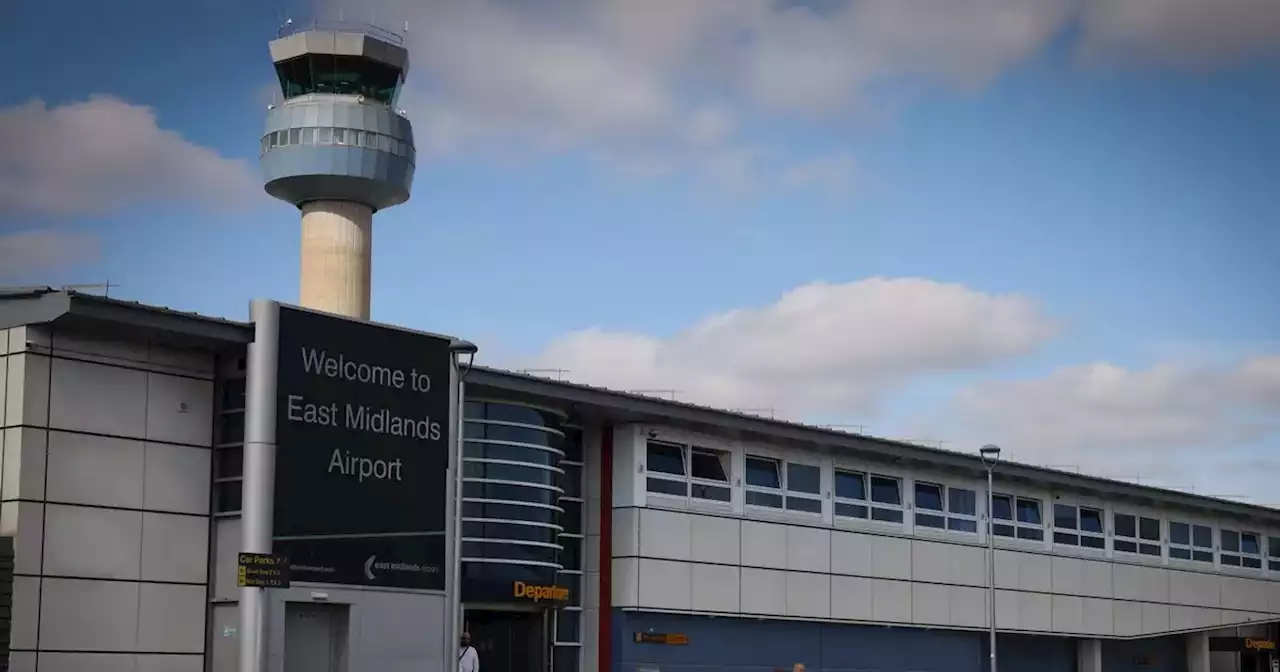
290 28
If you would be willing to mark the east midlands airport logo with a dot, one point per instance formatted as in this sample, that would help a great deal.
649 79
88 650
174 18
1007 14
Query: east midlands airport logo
373 568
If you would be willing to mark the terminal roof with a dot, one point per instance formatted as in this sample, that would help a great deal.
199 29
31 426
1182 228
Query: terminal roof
41 305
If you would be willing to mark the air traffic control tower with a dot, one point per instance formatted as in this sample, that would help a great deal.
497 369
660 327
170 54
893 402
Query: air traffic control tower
339 150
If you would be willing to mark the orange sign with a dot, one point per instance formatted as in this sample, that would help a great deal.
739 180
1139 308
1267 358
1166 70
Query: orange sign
539 593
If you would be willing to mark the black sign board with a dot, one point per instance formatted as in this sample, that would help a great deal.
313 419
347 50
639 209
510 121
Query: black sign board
362 451
262 570
1241 644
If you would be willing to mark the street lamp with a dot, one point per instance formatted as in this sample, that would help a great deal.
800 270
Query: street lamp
990 455
459 349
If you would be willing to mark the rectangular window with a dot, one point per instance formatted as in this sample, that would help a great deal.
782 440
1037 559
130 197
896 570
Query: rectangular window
886 499
1078 526
1240 549
324 136
1273 554
948 508
1190 542
1135 534
704 477
308 136
777 484
851 494
295 136
804 488
1021 515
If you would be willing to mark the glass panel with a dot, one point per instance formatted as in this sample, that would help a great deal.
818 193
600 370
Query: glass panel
666 486
1202 556
851 510
1230 540
1231 560
929 496
509 512
962 525
1180 533
709 465
1149 549
1066 538
762 472
509 493
768 499
231 427
233 394
1251 563
568 626
504 451
509 472
1002 507
665 458
930 520
804 504
1002 530
566 658
571 519
1180 553
1093 542
572 444
1032 534
295 136
1202 536
1064 516
1249 543
1029 511
1090 520
228 462
887 515
227 496
525 415
474 429
962 501
547 535
1126 546
885 490
509 551
571 555
1149 529
324 136
712 492
571 480
853 485
1273 546
1126 526
308 136
804 478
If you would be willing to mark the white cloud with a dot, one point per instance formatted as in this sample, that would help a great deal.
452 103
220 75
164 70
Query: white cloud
1111 420
103 155
658 85
819 348
1184 33
37 251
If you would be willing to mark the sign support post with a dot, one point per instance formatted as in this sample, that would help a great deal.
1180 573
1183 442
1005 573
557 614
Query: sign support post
259 475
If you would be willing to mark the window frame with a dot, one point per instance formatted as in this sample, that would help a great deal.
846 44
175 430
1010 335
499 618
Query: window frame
1239 556
870 470
1271 561
946 514
1139 542
782 460
1192 522
1078 504
1014 524
688 448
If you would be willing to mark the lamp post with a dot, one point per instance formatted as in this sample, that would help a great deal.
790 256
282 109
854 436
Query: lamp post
990 455
459 349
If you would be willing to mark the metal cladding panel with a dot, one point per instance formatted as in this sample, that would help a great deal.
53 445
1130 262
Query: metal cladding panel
336 111
339 42
300 174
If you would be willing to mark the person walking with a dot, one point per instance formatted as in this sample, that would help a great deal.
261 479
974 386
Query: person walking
468 659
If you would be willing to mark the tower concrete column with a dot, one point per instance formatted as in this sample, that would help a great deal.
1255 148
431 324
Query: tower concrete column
337 257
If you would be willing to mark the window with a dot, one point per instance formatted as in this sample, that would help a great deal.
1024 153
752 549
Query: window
886 499
1273 554
707 477
1190 542
1078 526
1240 549
1022 514
851 494
777 484
944 507
1135 534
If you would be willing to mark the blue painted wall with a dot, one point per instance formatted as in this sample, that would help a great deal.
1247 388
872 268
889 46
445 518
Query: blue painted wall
751 645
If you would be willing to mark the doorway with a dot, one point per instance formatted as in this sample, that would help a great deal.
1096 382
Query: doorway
509 641
315 637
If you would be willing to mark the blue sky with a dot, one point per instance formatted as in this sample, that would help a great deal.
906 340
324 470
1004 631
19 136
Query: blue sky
1073 214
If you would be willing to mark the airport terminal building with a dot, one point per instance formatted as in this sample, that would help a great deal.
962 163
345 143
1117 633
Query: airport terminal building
601 532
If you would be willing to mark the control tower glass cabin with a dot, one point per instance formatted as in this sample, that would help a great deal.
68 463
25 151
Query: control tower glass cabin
339 150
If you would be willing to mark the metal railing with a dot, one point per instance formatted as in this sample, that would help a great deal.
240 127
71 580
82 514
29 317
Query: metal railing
339 26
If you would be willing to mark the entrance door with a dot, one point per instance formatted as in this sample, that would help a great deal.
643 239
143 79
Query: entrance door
315 637
508 641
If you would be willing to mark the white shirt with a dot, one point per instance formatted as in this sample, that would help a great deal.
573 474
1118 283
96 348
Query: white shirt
469 660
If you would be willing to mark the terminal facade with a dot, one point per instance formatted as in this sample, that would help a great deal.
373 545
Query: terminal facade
602 531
